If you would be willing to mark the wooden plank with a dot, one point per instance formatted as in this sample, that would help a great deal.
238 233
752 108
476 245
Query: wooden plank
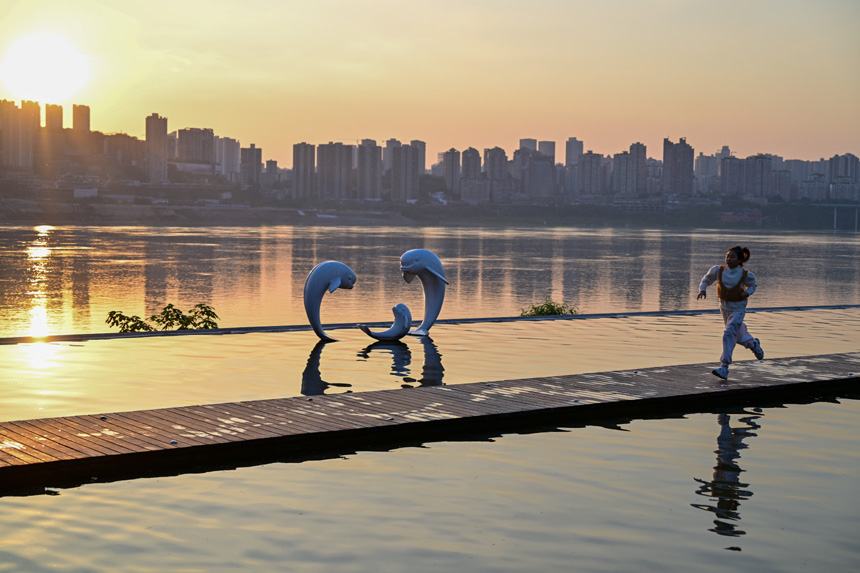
123 435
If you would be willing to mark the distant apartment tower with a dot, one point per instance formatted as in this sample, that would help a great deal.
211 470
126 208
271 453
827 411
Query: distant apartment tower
369 171
572 151
451 166
547 148
590 174
470 164
421 149
496 168
81 118
404 174
623 174
228 158
388 153
196 145
639 157
334 167
528 143
156 148
251 167
53 117
17 134
303 170
678 160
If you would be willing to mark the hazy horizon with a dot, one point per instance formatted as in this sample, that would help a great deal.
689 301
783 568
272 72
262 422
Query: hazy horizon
478 74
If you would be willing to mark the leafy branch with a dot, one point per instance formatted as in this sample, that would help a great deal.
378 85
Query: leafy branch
201 317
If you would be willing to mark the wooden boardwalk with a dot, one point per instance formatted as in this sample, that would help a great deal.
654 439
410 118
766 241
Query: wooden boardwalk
71 450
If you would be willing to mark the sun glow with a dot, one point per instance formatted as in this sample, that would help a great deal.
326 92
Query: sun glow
45 68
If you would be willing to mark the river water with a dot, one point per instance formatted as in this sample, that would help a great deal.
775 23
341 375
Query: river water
66 280
761 488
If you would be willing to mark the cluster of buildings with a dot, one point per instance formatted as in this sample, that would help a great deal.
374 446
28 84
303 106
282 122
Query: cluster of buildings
367 171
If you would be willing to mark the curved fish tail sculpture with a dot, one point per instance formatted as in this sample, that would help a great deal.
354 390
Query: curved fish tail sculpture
326 276
400 328
427 267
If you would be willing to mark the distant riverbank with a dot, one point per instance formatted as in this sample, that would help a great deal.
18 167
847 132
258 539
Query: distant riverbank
770 217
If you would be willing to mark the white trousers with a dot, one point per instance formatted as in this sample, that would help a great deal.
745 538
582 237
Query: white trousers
735 333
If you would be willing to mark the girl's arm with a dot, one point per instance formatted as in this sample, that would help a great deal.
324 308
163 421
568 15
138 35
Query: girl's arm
707 281
750 283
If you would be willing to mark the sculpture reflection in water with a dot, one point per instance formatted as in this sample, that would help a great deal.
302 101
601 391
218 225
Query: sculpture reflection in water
312 382
432 370
725 487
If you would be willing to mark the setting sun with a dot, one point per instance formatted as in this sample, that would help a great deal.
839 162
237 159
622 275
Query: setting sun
44 67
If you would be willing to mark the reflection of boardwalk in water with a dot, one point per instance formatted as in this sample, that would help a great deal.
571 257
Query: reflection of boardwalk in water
725 487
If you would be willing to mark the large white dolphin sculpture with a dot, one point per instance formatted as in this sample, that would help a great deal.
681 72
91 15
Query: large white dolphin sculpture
427 267
328 275
400 328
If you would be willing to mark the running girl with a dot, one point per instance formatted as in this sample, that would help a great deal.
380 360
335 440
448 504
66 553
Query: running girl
734 286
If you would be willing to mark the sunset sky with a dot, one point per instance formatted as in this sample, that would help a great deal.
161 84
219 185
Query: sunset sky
774 76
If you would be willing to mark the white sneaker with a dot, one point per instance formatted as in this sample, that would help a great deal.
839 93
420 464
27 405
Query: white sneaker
757 349
721 372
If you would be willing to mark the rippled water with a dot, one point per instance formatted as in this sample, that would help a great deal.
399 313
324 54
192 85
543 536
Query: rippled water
757 489
67 279
771 489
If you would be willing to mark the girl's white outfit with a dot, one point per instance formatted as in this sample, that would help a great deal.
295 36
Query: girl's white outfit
733 312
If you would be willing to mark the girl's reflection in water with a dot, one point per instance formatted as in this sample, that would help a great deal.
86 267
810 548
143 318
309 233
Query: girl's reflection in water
725 487
431 373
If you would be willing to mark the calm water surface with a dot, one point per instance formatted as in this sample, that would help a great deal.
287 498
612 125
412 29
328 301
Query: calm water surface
769 489
66 279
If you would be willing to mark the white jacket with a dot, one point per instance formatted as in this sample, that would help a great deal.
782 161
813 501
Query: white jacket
731 277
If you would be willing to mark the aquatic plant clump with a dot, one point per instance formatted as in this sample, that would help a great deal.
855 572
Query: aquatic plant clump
549 308
201 317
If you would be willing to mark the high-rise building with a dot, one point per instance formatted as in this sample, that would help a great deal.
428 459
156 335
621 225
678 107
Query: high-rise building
451 163
421 149
251 165
678 160
590 173
334 168
156 148
471 164
547 148
388 153
228 158
53 117
758 176
81 118
572 151
496 167
639 156
404 174
369 171
196 145
16 135
623 174
528 143
303 170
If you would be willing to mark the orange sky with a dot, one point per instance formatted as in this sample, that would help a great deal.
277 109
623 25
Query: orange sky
772 76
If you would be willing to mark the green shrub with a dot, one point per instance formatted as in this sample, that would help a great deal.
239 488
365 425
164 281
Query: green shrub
549 308
201 317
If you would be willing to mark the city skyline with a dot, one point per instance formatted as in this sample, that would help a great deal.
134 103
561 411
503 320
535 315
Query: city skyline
476 75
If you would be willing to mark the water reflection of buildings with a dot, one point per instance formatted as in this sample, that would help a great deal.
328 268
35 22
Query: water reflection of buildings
725 489
432 370
38 255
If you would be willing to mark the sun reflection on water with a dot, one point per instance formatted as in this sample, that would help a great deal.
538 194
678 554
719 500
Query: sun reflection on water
38 254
